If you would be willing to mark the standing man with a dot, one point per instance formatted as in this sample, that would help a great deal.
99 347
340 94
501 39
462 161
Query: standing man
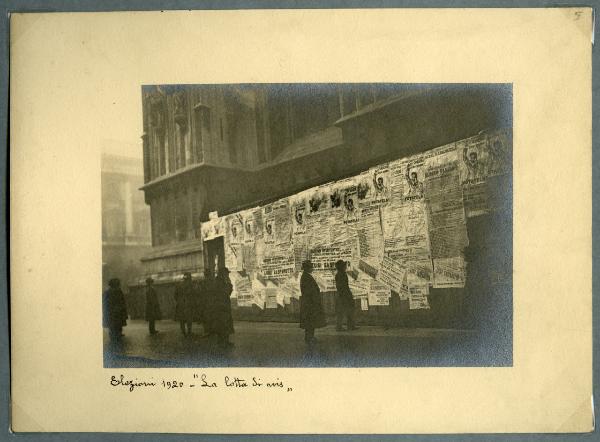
185 303
114 309
344 301
222 319
152 306
311 310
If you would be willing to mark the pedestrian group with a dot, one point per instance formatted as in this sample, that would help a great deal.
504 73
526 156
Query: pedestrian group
208 302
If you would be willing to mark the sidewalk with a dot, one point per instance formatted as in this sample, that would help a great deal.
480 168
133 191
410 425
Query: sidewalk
268 344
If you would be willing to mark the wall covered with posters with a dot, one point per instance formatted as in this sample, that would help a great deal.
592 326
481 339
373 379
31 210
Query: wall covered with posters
401 226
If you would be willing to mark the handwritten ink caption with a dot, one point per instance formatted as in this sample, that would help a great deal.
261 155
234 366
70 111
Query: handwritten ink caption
198 381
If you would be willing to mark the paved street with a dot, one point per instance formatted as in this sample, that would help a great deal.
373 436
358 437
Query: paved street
270 344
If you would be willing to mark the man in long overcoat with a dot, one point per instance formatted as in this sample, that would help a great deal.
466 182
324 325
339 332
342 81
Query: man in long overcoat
153 312
221 319
344 303
311 309
114 309
185 304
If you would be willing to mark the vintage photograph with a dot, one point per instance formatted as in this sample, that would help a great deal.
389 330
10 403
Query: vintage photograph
311 225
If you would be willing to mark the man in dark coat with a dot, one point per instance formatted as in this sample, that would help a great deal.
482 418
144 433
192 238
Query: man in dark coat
344 302
221 319
311 309
185 304
114 309
152 306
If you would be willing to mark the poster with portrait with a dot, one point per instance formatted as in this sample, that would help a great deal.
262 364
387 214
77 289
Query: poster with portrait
250 225
298 208
380 181
268 224
364 189
414 177
350 202
235 231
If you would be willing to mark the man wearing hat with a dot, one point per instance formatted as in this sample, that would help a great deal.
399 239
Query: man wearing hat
152 306
115 309
185 304
311 309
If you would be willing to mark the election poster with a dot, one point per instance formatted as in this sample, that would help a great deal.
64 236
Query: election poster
235 231
249 218
278 267
499 152
249 257
359 285
473 173
443 194
449 272
350 202
380 183
277 223
417 297
244 293
379 293
318 200
405 229
324 258
364 191
298 207
234 260
482 156
392 274
271 296
258 293
370 235
414 178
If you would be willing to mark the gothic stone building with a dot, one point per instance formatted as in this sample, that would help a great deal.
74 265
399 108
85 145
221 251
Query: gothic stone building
228 147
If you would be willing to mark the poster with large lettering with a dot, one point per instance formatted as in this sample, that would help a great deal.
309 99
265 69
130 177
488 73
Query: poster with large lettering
278 267
282 221
449 272
243 288
417 297
319 213
443 195
379 293
405 229
393 275
370 235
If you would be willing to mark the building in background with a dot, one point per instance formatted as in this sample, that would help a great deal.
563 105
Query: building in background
125 219
228 147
